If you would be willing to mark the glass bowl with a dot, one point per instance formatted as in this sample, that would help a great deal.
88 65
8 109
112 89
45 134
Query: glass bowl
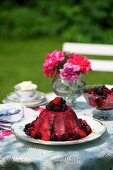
101 98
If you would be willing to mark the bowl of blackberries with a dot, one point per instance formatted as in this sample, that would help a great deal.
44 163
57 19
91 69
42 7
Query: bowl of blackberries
101 98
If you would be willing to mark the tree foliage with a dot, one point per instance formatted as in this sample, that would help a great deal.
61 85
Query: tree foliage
74 20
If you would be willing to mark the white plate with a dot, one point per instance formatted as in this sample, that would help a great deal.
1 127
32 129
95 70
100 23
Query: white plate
97 130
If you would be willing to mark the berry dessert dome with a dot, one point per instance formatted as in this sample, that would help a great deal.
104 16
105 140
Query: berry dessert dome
57 122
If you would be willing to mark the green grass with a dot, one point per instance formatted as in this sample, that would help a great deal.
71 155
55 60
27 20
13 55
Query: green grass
22 60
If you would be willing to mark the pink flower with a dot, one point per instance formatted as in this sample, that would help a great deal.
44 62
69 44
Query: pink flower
70 72
81 61
52 61
74 65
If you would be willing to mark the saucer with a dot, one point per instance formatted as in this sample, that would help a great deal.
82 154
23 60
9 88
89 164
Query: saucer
38 96
37 100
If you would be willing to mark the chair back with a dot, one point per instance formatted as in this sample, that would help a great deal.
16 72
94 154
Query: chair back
93 49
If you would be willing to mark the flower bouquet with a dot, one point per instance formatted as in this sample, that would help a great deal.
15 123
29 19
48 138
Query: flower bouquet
66 70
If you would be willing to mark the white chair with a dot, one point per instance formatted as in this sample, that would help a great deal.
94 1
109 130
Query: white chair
93 49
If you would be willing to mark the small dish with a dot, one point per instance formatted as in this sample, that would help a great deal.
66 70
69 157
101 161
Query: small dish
101 98
37 97
37 100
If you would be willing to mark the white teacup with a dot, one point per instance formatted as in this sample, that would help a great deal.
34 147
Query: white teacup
25 90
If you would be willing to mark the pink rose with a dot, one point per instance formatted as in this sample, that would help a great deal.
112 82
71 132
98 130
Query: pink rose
70 72
52 61
81 61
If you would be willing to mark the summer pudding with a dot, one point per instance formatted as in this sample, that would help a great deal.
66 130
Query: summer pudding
57 122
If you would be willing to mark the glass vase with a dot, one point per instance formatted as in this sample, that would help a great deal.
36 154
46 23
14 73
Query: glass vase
70 91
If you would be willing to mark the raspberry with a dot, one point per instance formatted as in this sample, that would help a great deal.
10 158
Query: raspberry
88 128
84 122
33 133
57 101
82 133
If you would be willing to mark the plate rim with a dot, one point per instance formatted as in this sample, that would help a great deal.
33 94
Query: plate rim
61 143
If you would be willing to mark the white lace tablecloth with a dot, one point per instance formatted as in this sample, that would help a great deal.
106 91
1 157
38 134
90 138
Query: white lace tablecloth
96 155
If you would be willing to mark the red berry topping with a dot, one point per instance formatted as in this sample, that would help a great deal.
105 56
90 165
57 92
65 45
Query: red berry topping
64 137
33 133
82 133
38 135
57 101
88 128
57 108
84 122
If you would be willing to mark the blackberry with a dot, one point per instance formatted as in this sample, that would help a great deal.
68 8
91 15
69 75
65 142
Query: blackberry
83 126
27 126
103 97
37 118
63 101
112 89
54 138
85 130
28 132
75 136
38 136
64 138
50 106
64 107
80 119
57 108
104 87
99 90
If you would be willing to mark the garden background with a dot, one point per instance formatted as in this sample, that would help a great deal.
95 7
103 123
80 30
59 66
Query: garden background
30 29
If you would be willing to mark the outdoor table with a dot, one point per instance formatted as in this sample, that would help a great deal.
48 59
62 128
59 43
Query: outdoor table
16 154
